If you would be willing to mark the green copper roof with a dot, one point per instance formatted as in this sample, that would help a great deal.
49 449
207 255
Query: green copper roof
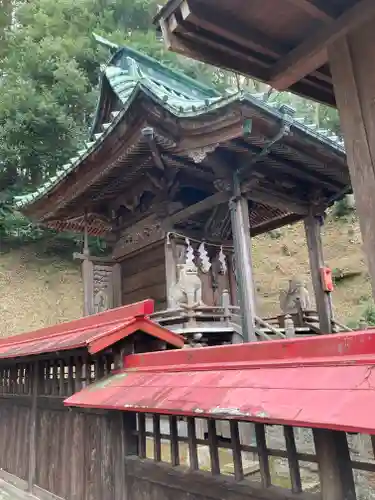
123 82
129 71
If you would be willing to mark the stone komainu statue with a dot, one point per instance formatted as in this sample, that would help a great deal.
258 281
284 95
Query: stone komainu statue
187 292
296 298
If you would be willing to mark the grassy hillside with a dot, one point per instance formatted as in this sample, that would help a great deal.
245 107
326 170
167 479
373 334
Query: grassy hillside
36 290
278 257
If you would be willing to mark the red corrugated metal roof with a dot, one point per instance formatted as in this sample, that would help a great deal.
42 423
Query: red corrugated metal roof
326 382
95 333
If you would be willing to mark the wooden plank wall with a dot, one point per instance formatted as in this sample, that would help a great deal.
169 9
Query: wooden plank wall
14 438
86 455
144 276
74 459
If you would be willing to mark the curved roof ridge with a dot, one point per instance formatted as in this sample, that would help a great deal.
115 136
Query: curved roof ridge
144 58
184 105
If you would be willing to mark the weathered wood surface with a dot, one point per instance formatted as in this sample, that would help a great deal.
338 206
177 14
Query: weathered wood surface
351 63
74 455
148 481
14 445
315 250
143 276
105 455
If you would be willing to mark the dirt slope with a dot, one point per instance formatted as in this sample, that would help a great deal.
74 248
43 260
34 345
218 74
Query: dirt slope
36 290
275 260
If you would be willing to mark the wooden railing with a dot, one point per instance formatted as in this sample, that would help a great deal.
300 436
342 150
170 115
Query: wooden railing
279 458
275 327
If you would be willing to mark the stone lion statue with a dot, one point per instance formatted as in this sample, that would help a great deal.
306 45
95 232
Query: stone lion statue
101 302
187 292
296 298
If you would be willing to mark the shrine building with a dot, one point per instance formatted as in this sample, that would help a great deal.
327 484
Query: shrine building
322 50
177 179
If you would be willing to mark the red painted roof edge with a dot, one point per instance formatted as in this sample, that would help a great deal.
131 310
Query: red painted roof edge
115 325
336 347
330 397
105 318
262 420
142 324
95 343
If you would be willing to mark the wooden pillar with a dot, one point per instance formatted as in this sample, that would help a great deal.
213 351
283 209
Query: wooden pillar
336 474
170 269
118 451
33 416
353 72
88 287
131 440
117 285
315 249
242 253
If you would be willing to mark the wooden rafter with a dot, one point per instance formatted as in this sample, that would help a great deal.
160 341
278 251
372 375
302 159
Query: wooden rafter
207 19
201 206
278 200
275 223
311 54
191 38
311 8
288 167
155 152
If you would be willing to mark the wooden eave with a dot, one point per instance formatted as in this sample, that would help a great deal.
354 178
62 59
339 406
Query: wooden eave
122 143
283 44
302 170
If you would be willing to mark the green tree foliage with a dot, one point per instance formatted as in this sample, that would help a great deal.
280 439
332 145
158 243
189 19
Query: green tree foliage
50 67
49 72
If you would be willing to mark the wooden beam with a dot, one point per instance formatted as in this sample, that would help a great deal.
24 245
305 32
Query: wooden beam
239 210
155 153
275 224
316 258
118 453
33 418
191 167
201 206
253 192
228 28
91 258
277 200
311 54
335 470
194 36
88 287
232 30
289 167
117 285
313 10
352 67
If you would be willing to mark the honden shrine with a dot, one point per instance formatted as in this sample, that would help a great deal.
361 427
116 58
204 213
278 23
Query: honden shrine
177 179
